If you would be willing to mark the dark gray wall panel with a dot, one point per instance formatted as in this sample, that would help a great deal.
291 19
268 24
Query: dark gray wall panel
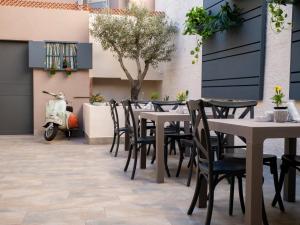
233 60
16 91
234 92
295 55
85 58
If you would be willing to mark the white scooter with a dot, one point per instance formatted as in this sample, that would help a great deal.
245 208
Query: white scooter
59 116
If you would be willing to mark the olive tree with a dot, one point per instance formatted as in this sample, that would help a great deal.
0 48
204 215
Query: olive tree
140 35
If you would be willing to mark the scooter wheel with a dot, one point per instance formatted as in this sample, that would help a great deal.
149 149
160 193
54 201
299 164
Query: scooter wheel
50 132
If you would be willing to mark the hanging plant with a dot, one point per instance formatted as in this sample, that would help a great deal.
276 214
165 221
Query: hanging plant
53 69
201 23
278 15
68 71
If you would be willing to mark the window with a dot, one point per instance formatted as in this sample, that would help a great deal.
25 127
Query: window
60 56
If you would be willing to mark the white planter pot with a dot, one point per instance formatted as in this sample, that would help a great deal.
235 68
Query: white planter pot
99 103
281 115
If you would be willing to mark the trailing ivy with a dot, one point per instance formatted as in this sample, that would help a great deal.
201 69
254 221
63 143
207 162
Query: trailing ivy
278 15
203 24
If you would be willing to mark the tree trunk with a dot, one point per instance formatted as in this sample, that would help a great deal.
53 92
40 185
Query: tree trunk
135 90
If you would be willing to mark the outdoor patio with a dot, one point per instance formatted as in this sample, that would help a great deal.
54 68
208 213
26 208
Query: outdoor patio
68 182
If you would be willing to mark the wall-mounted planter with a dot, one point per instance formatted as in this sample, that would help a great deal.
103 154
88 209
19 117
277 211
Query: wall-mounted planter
233 62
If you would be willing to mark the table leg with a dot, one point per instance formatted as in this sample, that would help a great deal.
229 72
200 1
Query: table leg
289 192
254 175
160 167
143 149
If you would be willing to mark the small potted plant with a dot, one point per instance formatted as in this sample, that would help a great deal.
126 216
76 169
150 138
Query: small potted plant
182 96
98 100
280 111
68 71
53 69
154 96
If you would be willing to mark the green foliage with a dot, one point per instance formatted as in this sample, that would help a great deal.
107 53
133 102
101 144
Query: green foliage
278 16
278 97
166 98
53 69
201 23
182 96
140 36
97 98
154 96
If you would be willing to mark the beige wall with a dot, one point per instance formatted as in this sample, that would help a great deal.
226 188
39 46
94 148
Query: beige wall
149 4
180 74
24 24
120 89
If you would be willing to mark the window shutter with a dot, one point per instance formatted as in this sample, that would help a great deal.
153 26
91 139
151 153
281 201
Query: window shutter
37 54
84 56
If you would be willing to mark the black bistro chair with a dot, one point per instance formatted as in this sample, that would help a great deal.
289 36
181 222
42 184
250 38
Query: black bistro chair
173 134
118 131
240 110
136 142
288 161
209 168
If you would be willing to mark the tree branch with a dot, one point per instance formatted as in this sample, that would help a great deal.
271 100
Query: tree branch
120 59
146 68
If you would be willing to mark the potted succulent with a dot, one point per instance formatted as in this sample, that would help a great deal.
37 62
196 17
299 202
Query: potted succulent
182 96
97 99
280 112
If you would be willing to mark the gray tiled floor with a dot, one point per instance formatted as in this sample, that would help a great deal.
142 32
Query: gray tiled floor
68 182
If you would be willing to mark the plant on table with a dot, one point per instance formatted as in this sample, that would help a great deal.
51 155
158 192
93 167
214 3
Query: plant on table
140 36
203 24
278 97
97 98
182 96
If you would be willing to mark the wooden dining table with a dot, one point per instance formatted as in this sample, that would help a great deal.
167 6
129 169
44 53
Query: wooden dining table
255 134
160 119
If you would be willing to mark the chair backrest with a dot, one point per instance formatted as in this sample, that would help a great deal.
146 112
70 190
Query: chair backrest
159 105
130 120
201 132
139 103
226 109
114 114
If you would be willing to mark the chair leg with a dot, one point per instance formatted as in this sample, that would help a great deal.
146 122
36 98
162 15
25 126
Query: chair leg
190 169
135 162
241 194
149 148
196 194
181 157
284 170
118 144
274 171
113 143
231 195
153 156
264 214
210 203
128 158
166 160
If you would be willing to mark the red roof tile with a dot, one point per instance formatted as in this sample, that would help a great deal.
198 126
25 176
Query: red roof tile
65 6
